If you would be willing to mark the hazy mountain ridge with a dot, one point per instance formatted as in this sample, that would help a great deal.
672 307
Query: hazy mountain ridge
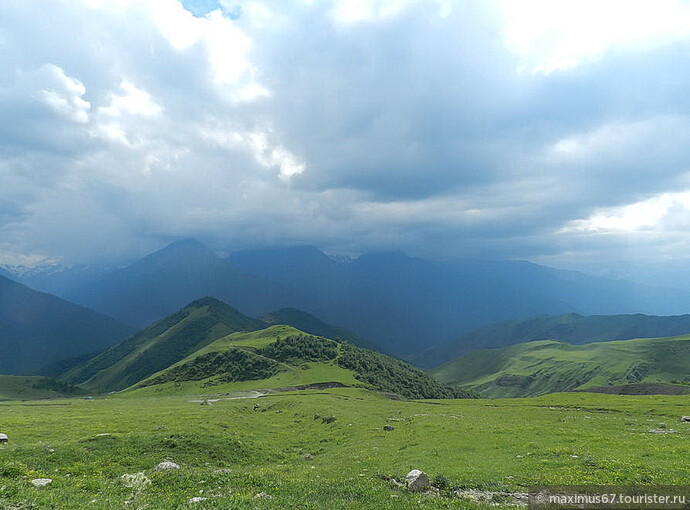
402 304
172 277
38 328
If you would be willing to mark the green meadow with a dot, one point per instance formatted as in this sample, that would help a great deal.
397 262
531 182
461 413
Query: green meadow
237 448
548 366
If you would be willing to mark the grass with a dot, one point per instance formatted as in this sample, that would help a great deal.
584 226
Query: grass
20 387
541 367
232 450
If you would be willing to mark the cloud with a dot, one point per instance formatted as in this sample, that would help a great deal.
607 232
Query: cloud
441 128
558 35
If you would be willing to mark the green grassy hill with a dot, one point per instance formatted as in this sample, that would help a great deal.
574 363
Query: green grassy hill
281 357
160 345
310 324
572 328
536 368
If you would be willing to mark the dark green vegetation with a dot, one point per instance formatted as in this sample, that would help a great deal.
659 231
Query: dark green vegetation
37 328
234 449
394 376
281 356
219 367
309 324
160 345
572 328
536 368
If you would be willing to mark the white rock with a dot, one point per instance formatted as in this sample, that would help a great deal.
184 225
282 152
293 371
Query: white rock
165 465
682 418
263 495
417 480
196 499
4 438
41 482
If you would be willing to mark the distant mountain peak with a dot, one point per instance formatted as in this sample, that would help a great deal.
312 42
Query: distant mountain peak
186 244
182 249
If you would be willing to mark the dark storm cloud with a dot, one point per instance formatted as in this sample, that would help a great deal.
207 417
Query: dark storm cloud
348 125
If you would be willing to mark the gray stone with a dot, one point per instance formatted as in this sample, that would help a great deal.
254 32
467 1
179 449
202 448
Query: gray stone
682 418
308 456
166 465
417 480
262 495
328 419
41 482
4 438
388 428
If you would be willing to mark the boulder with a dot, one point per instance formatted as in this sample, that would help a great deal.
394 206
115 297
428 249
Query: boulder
682 418
417 480
4 438
165 466
41 482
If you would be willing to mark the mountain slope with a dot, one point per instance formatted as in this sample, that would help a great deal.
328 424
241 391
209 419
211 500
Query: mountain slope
160 345
572 328
309 324
547 366
282 356
168 279
37 328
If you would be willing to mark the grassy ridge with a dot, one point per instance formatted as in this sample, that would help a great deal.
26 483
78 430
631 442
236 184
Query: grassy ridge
263 359
309 324
231 450
160 345
536 368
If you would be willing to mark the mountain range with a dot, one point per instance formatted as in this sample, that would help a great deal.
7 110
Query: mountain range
405 305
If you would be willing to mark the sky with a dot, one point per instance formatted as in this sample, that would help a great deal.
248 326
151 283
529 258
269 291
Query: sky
555 131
